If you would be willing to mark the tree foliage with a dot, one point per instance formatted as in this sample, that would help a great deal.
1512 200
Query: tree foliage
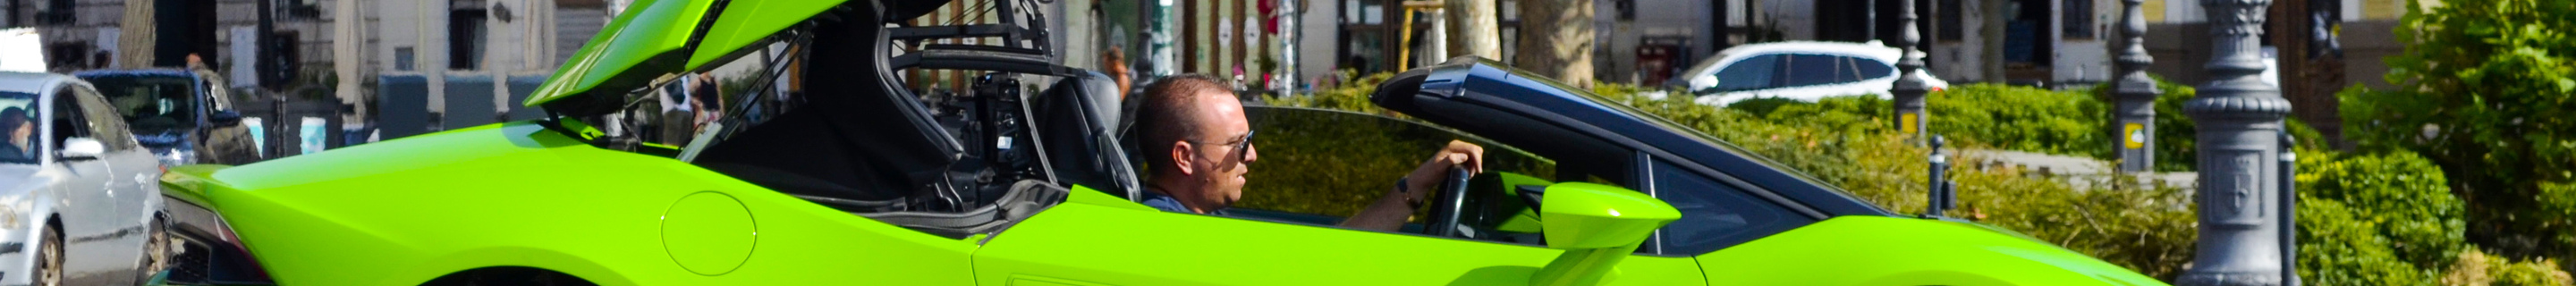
2484 90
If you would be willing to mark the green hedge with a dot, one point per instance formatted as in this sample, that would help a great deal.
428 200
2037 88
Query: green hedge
2376 219
2021 118
2339 246
2402 194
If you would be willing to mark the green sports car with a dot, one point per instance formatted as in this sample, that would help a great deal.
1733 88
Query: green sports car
746 142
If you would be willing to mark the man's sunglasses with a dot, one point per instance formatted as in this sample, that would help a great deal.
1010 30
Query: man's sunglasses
1240 144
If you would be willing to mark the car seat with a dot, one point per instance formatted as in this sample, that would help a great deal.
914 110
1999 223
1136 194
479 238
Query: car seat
858 136
1079 118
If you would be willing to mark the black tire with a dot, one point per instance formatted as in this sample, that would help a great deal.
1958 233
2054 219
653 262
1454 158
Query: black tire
49 259
156 252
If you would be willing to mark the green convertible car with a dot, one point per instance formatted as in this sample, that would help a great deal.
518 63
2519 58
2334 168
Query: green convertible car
820 151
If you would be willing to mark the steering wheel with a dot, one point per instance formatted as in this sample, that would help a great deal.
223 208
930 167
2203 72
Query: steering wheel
1447 203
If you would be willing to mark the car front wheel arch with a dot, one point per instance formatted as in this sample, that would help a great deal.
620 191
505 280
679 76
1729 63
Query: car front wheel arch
508 276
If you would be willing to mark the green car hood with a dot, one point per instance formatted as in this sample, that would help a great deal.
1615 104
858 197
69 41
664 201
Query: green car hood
656 37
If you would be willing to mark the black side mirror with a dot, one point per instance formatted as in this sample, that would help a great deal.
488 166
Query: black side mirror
224 118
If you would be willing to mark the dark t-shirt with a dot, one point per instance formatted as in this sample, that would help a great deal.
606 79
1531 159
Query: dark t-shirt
12 154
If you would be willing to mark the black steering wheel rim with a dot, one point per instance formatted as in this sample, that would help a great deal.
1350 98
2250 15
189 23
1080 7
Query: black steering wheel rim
1447 203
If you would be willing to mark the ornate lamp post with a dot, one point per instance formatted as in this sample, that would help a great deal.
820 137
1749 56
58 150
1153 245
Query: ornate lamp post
2137 94
2239 119
1909 87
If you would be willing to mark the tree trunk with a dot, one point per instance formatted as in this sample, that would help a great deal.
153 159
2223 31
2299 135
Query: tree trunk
134 41
1556 40
1472 29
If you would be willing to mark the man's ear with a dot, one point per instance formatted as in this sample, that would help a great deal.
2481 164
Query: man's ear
1181 159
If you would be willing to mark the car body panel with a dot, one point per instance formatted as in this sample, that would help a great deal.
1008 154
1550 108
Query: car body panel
649 39
641 44
1874 250
429 205
729 35
35 201
101 205
1107 244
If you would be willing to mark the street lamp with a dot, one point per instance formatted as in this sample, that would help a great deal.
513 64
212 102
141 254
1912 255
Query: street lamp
2137 94
1909 87
2239 118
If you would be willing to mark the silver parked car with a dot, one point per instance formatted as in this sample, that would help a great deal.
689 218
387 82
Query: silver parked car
1804 71
79 198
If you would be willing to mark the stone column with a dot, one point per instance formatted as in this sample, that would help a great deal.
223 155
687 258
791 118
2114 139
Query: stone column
2239 119
2136 94
1910 87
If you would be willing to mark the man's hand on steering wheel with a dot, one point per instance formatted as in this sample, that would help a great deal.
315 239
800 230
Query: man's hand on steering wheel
1458 154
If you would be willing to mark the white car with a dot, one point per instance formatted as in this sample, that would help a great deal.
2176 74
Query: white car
1805 71
79 198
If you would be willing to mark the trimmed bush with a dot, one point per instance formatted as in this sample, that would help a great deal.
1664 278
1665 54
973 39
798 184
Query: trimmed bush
2146 228
2338 246
2403 196
1846 114
2478 268
2021 118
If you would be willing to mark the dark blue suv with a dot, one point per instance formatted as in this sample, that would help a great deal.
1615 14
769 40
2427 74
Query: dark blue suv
175 113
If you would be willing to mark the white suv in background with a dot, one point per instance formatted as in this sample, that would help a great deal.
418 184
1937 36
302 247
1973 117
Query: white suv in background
1804 71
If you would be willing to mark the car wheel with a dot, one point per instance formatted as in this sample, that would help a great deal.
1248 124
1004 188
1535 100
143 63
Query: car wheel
49 259
156 252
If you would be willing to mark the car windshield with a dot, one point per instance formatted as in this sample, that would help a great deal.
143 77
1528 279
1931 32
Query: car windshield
16 148
1666 124
152 104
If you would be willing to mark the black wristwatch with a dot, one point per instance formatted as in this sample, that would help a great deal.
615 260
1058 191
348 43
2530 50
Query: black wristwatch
1401 188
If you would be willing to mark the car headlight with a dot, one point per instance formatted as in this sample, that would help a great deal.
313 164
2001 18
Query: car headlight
13 210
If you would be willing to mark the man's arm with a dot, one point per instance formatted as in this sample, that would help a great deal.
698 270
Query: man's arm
1390 211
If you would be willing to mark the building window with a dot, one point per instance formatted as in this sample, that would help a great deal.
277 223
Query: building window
2079 19
402 59
465 39
57 12
300 9
1951 29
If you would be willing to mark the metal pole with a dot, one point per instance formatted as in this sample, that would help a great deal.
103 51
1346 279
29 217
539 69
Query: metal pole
1937 200
2239 117
1868 19
1289 12
1910 88
2289 211
2136 93
1158 47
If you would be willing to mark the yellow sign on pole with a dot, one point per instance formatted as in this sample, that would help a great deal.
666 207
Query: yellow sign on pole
2135 135
1905 122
